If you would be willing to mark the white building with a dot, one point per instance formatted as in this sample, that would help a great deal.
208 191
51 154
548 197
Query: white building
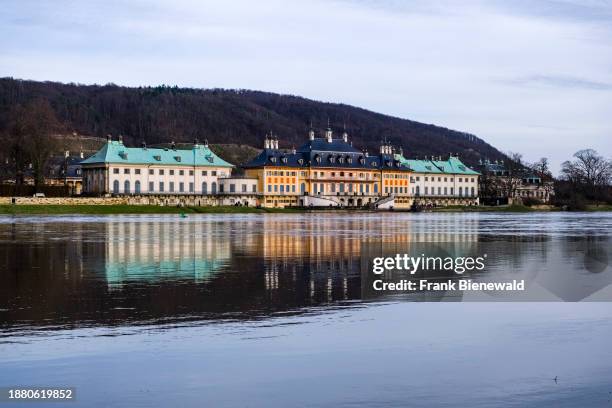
117 169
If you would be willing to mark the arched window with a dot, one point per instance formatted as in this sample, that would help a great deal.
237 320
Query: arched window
116 187
214 187
473 192
204 188
418 190
137 187
126 187
460 191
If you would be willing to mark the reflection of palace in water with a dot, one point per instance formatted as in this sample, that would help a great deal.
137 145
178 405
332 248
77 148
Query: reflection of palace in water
152 251
167 267
319 256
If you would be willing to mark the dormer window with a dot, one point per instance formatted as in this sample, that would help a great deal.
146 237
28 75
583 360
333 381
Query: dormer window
177 158
341 160
273 159
332 159
209 158
300 161
318 158
375 164
284 160
349 160
157 157
123 155
362 160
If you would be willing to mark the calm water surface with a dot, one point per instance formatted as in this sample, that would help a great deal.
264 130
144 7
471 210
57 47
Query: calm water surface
268 310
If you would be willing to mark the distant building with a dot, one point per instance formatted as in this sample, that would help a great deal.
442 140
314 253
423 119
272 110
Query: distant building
117 169
502 184
66 170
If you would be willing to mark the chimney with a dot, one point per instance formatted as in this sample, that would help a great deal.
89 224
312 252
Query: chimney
276 143
67 154
81 155
267 143
173 145
206 143
328 135
311 134
293 151
109 138
121 139
345 136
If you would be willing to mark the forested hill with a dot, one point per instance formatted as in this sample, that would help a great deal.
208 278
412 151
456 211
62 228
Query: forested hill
162 114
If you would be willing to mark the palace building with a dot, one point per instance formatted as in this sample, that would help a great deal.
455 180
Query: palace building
437 182
323 172
329 172
117 169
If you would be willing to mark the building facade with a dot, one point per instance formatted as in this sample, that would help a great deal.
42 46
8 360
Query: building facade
436 182
511 184
329 172
117 169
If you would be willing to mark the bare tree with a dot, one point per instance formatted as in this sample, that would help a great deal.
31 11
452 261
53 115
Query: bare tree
515 171
31 133
588 168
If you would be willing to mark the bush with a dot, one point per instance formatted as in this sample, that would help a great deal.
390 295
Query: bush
531 201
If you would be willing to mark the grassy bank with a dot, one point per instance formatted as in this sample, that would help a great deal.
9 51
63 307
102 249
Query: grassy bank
133 209
484 208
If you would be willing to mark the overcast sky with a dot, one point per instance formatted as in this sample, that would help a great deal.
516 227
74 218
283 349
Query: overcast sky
535 78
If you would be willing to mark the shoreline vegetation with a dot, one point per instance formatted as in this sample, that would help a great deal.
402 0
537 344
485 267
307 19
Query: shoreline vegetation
57 209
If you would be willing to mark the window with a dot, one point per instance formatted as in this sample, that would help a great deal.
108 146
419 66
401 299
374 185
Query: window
172 172
276 188
137 187
244 188
151 172
136 171
213 173
439 190
126 187
151 186
221 188
181 172
191 187
255 188
214 187
115 171
171 189
204 173
426 190
181 187
116 186
452 190
293 188
161 172
269 188
302 188
126 171
460 190
204 188
472 190
282 188
161 186
376 188
232 188
445 191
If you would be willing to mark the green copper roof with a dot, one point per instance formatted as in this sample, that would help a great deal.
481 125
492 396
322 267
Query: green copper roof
115 152
451 166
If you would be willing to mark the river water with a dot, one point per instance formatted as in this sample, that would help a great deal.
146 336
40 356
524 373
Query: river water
272 310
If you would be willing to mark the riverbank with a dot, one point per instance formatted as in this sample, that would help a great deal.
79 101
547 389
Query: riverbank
133 209
52 209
